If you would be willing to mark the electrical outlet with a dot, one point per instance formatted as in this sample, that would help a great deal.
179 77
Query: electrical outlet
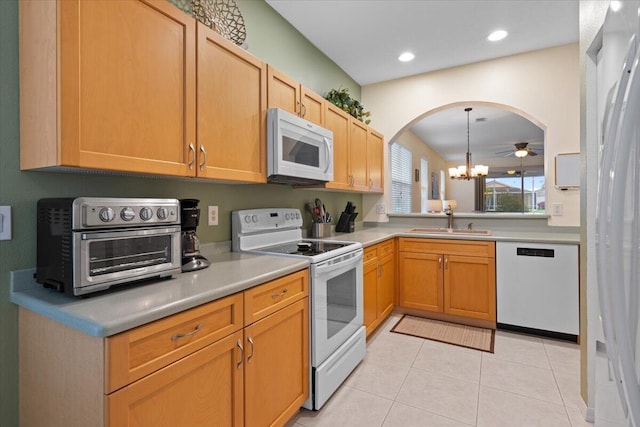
5 222
212 218
381 208
556 209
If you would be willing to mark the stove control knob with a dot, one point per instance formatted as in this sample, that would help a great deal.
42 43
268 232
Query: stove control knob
127 214
254 218
163 213
287 217
146 214
106 214
247 219
297 215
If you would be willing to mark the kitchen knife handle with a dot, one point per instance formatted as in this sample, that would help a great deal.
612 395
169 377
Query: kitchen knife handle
176 337
192 155
251 355
204 157
239 363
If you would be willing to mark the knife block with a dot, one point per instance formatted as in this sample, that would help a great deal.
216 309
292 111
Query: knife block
346 223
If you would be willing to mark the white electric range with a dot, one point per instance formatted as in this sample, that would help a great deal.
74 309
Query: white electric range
336 291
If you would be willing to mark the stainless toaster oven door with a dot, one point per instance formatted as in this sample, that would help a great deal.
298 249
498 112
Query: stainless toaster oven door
112 257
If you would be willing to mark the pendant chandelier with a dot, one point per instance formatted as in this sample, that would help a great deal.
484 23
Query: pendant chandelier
467 171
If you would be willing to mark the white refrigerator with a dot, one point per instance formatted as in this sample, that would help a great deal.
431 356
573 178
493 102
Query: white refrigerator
617 227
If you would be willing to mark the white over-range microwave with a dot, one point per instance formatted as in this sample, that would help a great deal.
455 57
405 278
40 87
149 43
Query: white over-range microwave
298 151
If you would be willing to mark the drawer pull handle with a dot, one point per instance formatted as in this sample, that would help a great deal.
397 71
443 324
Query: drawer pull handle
274 296
176 337
239 344
251 355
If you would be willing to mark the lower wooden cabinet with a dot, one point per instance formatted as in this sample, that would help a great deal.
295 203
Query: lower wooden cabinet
379 283
202 389
207 366
456 277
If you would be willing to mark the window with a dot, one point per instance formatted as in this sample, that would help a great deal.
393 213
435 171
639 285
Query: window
515 194
424 184
400 179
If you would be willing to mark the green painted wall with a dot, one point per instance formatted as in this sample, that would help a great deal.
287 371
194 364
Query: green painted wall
269 37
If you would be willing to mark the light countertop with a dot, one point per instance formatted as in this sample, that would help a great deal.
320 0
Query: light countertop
230 272
122 309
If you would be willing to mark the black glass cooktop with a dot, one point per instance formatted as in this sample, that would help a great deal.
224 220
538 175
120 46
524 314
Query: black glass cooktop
304 247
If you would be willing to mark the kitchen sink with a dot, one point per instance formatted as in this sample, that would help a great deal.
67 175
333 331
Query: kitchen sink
450 231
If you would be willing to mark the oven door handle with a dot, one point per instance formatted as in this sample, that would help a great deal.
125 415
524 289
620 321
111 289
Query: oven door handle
344 260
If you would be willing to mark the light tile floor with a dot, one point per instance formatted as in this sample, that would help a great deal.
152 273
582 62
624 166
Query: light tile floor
407 381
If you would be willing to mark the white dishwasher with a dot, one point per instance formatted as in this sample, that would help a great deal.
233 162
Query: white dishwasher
537 288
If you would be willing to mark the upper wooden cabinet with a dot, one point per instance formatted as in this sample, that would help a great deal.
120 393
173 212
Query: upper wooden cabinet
357 153
375 161
289 95
232 105
100 91
112 85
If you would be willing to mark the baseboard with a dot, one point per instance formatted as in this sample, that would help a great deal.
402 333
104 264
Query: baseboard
539 332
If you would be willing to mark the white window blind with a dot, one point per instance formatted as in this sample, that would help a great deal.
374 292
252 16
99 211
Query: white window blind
400 179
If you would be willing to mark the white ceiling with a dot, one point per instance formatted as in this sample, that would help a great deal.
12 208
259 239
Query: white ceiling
365 38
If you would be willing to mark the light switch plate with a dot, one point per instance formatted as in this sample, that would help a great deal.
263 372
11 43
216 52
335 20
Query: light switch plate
5 222
556 209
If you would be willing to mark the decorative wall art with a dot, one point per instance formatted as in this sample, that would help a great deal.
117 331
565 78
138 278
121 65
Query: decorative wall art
222 16
435 186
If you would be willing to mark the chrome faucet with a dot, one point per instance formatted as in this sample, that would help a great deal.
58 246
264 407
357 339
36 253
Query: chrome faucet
449 212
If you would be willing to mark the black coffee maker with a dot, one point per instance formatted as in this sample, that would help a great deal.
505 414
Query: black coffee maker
189 219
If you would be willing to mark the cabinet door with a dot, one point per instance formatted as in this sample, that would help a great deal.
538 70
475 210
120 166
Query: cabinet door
127 86
386 288
202 389
231 111
470 287
370 283
421 281
312 106
277 365
338 122
282 91
358 156
375 162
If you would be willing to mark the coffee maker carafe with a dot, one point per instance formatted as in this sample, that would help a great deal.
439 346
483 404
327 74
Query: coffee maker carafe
189 219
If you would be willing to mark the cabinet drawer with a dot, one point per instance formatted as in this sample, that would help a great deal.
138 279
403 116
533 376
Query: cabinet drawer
370 254
449 247
266 299
145 349
385 248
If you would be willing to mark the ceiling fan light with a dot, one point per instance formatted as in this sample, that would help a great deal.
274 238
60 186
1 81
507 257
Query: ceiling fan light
511 172
521 153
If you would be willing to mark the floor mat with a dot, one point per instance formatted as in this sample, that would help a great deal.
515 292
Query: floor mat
462 335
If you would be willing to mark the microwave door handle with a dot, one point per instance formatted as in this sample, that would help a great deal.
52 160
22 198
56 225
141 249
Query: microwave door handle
328 153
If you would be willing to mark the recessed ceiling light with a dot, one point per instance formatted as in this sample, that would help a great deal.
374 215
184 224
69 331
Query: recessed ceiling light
497 35
406 57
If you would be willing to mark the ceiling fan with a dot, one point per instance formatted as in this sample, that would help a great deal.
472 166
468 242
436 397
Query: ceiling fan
521 150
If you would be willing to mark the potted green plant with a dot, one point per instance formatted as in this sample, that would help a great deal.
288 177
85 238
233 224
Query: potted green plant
341 99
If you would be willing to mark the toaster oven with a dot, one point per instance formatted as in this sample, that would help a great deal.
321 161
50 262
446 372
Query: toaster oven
89 244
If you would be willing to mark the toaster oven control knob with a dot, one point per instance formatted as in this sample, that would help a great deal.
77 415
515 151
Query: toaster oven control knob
106 214
163 213
127 214
146 214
